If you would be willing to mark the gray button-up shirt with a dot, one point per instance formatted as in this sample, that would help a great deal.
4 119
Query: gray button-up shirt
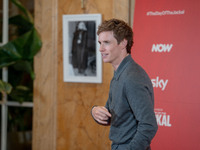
131 103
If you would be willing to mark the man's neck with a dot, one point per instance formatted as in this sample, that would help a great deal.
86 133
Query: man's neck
115 66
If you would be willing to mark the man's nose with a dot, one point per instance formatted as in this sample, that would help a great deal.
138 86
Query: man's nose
101 48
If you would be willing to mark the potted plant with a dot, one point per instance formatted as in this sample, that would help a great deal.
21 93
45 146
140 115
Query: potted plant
17 55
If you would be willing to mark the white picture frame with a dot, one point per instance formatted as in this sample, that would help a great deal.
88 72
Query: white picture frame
82 60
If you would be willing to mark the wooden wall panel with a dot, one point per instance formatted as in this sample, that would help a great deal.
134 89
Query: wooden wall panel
62 119
75 100
45 84
121 9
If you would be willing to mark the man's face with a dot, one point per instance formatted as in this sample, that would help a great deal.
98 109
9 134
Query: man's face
109 48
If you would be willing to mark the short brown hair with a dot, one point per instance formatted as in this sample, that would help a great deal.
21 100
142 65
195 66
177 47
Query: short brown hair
121 31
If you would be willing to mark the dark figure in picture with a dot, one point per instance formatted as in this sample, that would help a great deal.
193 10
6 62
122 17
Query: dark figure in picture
79 48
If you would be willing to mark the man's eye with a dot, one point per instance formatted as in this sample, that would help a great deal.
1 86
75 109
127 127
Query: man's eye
106 42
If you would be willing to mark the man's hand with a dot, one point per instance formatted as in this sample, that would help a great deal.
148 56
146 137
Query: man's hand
101 114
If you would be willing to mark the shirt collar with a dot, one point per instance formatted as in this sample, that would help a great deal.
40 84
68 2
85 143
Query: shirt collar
122 66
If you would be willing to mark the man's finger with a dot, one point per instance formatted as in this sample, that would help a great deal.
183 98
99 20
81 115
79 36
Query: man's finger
102 122
106 112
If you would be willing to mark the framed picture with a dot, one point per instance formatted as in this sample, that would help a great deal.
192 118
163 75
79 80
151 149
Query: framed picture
81 56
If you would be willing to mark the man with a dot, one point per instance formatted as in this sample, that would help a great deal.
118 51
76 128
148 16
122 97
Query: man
129 109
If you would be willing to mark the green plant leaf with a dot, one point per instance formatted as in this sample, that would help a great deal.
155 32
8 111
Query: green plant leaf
23 25
28 44
9 55
33 45
22 48
21 93
25 66
5 87
23 9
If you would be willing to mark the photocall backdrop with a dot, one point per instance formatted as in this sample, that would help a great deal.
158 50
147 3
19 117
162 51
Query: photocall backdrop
167 46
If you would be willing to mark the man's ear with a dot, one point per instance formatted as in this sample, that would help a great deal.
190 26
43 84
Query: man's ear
124 43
